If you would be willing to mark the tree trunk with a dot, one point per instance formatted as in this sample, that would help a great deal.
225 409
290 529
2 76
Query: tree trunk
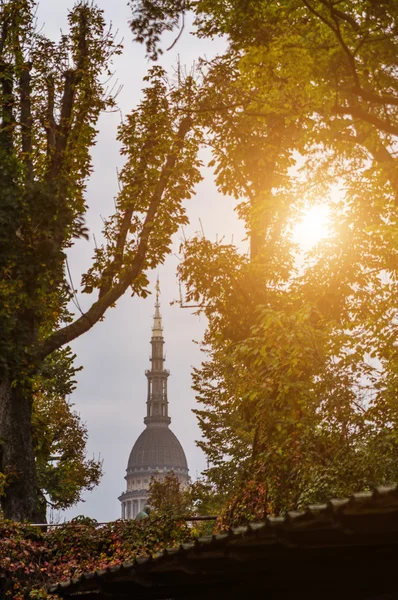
16 454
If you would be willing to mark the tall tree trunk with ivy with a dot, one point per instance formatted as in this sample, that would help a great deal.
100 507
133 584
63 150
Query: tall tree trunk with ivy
16 454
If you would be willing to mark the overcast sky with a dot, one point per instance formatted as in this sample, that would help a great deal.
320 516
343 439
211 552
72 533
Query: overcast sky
111 392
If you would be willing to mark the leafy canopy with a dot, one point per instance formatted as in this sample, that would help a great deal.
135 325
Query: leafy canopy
297 391
51 96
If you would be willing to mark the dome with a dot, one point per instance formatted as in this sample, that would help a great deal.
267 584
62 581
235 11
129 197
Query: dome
157 447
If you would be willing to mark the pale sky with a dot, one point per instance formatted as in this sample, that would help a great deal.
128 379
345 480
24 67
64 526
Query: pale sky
111 392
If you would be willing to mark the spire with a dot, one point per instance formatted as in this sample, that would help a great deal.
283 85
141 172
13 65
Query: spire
157 330
157 403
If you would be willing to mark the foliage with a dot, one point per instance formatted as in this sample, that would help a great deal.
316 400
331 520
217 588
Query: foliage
59 436
32 560
278 409
298 387
205 498
290 412
45 163
151 19
198 498
168 496
51 96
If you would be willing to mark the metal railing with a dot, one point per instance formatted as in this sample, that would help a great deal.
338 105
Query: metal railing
70 524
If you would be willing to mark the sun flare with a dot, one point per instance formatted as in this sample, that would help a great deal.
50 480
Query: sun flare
312 227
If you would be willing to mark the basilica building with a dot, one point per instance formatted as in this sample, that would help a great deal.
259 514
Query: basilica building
157 451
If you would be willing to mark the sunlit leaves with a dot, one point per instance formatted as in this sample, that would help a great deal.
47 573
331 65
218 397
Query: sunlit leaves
150 136
31 560
60 437
301 397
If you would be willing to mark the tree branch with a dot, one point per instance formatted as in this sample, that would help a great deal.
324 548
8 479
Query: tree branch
72 78
335 12
26 120
358 113
380 154
50 124
348 18
63 129
348 53
95 313
112 269
319 16
336 30
384 159
4 33
7 106
179 34
370 97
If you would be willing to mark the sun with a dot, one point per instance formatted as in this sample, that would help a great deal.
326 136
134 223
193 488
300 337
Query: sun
312 227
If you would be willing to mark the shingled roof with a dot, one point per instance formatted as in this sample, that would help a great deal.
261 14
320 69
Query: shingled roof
341 549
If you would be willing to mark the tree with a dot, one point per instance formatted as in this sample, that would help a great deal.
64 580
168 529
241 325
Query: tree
167 496
291 399
51 95
330 64
59 437
291 411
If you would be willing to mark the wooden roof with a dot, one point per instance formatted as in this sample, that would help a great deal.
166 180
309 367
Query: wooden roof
342 549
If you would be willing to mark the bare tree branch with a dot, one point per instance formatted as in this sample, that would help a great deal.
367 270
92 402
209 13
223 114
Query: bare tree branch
179 33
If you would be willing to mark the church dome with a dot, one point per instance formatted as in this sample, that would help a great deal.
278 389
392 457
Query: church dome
157 451
157 447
